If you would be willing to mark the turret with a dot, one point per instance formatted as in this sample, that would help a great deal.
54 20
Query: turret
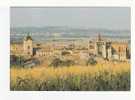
28 46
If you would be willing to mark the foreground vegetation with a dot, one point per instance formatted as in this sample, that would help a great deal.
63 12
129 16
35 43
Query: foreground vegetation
100 77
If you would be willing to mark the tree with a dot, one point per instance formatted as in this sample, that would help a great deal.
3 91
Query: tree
69 62
91 61
65 53
56 62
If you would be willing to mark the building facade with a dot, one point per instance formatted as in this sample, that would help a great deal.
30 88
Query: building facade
109 50
100 48
28 46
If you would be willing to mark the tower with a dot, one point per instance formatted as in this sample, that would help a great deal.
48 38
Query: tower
28 46
99 37
101 47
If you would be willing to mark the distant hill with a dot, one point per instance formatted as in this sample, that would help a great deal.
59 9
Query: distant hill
65 32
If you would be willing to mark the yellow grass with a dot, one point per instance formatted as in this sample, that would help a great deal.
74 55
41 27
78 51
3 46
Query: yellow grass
45 73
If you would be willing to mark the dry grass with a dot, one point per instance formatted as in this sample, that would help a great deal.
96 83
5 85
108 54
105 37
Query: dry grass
104 76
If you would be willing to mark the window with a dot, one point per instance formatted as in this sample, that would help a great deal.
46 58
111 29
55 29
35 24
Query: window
28 47
91 47
28 53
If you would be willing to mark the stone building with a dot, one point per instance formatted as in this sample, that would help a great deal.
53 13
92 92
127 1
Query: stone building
28 46
120 51
103 48
109 50
44 52
99 47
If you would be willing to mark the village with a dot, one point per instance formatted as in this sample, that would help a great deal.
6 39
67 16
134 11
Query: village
29 54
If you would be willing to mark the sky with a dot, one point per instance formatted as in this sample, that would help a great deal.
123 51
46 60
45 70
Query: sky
88 17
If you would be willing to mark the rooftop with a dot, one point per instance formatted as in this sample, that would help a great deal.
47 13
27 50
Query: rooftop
28 37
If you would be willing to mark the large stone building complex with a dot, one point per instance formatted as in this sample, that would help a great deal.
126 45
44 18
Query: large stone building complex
109 50
100 48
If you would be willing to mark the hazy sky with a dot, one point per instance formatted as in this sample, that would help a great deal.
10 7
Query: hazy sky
110 18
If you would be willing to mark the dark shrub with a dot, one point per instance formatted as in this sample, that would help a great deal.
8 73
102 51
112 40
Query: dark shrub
65 53
91 61
58 62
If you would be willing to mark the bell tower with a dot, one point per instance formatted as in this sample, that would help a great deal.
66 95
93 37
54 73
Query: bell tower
28 46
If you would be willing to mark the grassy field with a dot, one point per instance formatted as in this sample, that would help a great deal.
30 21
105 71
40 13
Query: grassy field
100 77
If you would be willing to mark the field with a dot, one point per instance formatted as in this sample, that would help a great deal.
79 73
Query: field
107 76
